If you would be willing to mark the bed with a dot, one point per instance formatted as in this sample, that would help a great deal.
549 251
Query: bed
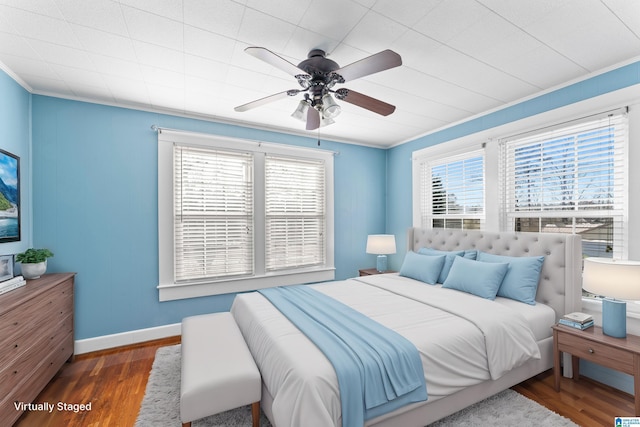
300 386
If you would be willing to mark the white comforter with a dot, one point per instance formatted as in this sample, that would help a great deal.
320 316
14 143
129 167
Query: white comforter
463 340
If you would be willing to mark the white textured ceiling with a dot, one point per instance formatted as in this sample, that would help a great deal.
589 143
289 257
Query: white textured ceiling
460 57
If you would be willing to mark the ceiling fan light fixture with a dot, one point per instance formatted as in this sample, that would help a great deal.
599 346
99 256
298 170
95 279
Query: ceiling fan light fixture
326 121
300 112
330 108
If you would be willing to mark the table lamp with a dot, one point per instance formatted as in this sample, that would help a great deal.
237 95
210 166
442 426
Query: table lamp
381 245
612 278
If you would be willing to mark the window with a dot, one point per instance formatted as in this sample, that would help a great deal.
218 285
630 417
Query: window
570 180
237 215
451 191
570 177
295 213
213 211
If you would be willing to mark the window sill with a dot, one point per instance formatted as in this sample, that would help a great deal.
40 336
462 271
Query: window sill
172 291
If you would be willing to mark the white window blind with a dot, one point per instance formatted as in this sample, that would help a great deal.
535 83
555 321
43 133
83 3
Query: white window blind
452 191
213 213
570 180
295 212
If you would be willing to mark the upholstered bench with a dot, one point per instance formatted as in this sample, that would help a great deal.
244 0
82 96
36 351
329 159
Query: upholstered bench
218 371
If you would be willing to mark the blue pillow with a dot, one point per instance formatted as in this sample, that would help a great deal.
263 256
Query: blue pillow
424 268
470 254
449 260
521 281
478 278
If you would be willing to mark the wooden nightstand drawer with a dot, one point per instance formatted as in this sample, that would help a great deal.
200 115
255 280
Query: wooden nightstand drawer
596 352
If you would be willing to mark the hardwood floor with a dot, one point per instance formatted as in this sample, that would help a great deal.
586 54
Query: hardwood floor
586 402
114 382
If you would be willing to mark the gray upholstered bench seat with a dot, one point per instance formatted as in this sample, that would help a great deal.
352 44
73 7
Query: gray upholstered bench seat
218 371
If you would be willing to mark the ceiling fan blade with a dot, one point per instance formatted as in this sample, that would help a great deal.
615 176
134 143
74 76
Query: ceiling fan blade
277 61
267 99
313 119
372 64
364 101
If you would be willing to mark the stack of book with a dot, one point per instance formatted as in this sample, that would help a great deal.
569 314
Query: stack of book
577 320
11 284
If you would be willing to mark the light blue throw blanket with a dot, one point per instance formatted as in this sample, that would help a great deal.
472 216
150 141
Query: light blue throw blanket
378 370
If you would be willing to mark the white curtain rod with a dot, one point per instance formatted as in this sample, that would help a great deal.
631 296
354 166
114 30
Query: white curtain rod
159 130
621 110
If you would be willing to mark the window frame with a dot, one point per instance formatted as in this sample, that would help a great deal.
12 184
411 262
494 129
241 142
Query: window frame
437 156
620 160
490 140
167 287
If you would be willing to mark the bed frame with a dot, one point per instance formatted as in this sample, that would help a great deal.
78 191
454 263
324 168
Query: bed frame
560 288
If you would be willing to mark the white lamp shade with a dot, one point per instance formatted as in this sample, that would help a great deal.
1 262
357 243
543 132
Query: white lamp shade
381 244
614 278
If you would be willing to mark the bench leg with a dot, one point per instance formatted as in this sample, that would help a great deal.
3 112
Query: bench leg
186 424
255 413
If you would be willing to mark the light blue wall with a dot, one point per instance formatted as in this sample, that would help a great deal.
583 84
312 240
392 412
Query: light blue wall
95 206
15 133
399 185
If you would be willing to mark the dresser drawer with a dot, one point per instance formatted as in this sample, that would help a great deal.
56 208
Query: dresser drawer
36 337
15 371
19 321
599 353
35 381
20 328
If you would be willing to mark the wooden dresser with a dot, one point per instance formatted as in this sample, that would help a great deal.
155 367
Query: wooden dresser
36 338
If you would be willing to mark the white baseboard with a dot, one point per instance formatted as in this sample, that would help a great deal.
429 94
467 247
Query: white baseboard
126 338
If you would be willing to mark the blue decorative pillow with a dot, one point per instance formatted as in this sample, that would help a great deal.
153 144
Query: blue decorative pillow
470 254
478 278
424 268
521 281
449 260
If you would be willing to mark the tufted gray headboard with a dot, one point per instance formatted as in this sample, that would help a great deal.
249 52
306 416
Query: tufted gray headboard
560 284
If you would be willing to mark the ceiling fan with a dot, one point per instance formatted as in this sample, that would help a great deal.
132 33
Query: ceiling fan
317 75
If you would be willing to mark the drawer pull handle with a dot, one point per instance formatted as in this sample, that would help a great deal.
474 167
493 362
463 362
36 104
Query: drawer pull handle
591 351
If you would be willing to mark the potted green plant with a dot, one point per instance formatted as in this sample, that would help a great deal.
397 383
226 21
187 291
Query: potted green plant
34 262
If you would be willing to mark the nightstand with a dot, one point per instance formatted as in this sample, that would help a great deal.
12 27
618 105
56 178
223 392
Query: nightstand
372 271
621 354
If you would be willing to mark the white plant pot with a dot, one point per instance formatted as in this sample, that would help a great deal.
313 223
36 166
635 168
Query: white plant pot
33 271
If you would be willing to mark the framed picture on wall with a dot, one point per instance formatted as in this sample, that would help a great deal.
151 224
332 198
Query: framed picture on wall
6 267
9 197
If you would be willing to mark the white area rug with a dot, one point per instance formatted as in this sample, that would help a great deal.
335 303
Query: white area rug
161 403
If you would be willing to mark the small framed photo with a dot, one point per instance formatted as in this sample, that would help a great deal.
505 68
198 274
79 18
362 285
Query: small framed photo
6 267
